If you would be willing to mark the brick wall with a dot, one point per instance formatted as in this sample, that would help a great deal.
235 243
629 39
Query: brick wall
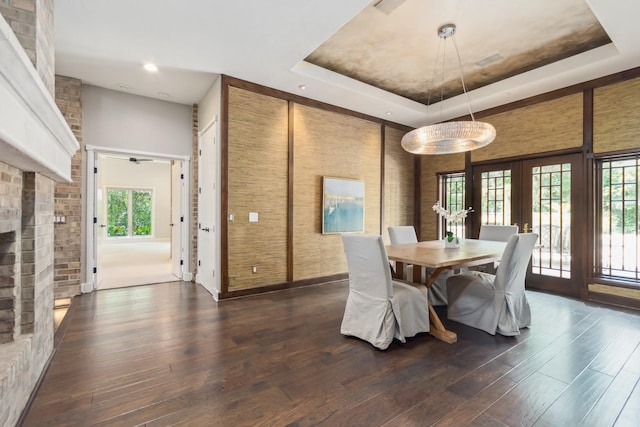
68 197
26 212
10 252
45 48
37 250
9 277
194 192
32 23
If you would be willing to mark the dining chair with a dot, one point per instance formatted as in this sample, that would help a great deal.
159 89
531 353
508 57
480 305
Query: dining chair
495 303
378 308
402 234
496 233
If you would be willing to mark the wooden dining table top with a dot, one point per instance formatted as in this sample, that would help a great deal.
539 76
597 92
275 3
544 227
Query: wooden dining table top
433 253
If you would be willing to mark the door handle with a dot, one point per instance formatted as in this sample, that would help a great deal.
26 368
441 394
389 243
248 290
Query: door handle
206 229
171 224
103 225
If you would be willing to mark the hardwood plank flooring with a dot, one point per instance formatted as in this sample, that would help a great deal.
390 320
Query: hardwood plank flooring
167 354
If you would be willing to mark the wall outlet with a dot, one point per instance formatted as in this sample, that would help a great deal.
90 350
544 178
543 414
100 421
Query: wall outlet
254 269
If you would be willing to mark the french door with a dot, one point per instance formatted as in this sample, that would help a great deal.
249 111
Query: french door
546 196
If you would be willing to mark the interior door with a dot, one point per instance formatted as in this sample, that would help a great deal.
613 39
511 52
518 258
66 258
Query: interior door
554 207
206 211
177 183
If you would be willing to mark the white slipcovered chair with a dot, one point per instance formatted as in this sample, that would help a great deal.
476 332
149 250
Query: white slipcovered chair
496 233
402 234
379 309
495 303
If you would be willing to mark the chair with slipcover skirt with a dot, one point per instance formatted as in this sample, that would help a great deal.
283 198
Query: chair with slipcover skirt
496 233
402 234
379 309
495 303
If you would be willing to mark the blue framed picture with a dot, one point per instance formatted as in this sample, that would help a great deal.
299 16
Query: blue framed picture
342 205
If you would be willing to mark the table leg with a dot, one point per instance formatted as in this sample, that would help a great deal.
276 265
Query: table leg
436 328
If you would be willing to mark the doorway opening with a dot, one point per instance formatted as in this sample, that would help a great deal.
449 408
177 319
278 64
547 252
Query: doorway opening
137 233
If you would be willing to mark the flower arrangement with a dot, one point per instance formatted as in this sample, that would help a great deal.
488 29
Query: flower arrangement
454 217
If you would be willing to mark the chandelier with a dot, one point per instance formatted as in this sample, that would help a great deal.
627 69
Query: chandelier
449 137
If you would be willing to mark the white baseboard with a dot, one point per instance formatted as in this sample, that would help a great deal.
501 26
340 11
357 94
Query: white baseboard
187 277
86 288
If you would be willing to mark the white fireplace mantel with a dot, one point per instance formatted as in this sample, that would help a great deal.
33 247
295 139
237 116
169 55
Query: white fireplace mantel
34 136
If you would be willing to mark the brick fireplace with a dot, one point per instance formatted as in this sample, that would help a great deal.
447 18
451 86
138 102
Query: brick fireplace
36 148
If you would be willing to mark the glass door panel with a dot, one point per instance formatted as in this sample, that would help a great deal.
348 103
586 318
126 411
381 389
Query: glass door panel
496 197
551 219
552 194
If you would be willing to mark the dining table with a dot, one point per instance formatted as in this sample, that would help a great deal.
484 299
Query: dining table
434 255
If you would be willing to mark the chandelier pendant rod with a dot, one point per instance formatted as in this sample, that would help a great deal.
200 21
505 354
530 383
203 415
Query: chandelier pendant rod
464 87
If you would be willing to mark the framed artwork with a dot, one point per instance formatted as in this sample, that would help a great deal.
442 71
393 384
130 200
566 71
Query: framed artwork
342 205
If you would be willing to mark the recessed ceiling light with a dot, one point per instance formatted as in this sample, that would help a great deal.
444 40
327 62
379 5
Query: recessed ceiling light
388 113
151 67
163 94
303 87
124 87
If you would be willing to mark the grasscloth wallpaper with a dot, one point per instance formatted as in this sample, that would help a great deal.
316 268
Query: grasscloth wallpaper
546 126
336 145
261 132
616 112
258 177
399 182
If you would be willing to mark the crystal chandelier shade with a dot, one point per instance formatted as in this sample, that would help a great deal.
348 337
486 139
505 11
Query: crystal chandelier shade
449 137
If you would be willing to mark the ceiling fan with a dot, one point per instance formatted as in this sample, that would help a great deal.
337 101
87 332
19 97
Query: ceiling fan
137 161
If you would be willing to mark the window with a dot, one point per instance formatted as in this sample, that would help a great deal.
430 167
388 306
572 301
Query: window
496 197
129 212
452 199
618 222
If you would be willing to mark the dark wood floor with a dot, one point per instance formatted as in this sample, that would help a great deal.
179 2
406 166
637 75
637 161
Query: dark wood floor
169 355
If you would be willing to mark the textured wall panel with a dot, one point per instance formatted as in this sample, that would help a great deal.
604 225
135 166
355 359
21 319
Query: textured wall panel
616 109
330 144
546 126
430 167
399 184
258 177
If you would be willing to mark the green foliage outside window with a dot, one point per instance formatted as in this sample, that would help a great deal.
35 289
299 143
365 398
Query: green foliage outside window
141 201
117 213
128 212
620 201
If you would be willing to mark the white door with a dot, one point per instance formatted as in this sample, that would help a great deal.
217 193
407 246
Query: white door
206 211
177 182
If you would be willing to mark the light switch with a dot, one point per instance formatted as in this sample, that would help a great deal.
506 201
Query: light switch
231 217
253 216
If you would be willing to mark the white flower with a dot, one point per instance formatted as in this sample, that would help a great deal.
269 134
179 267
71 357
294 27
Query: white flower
451 216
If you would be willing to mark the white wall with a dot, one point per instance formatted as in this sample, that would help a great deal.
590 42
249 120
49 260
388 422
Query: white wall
155 175
124 121
209 108
209 105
